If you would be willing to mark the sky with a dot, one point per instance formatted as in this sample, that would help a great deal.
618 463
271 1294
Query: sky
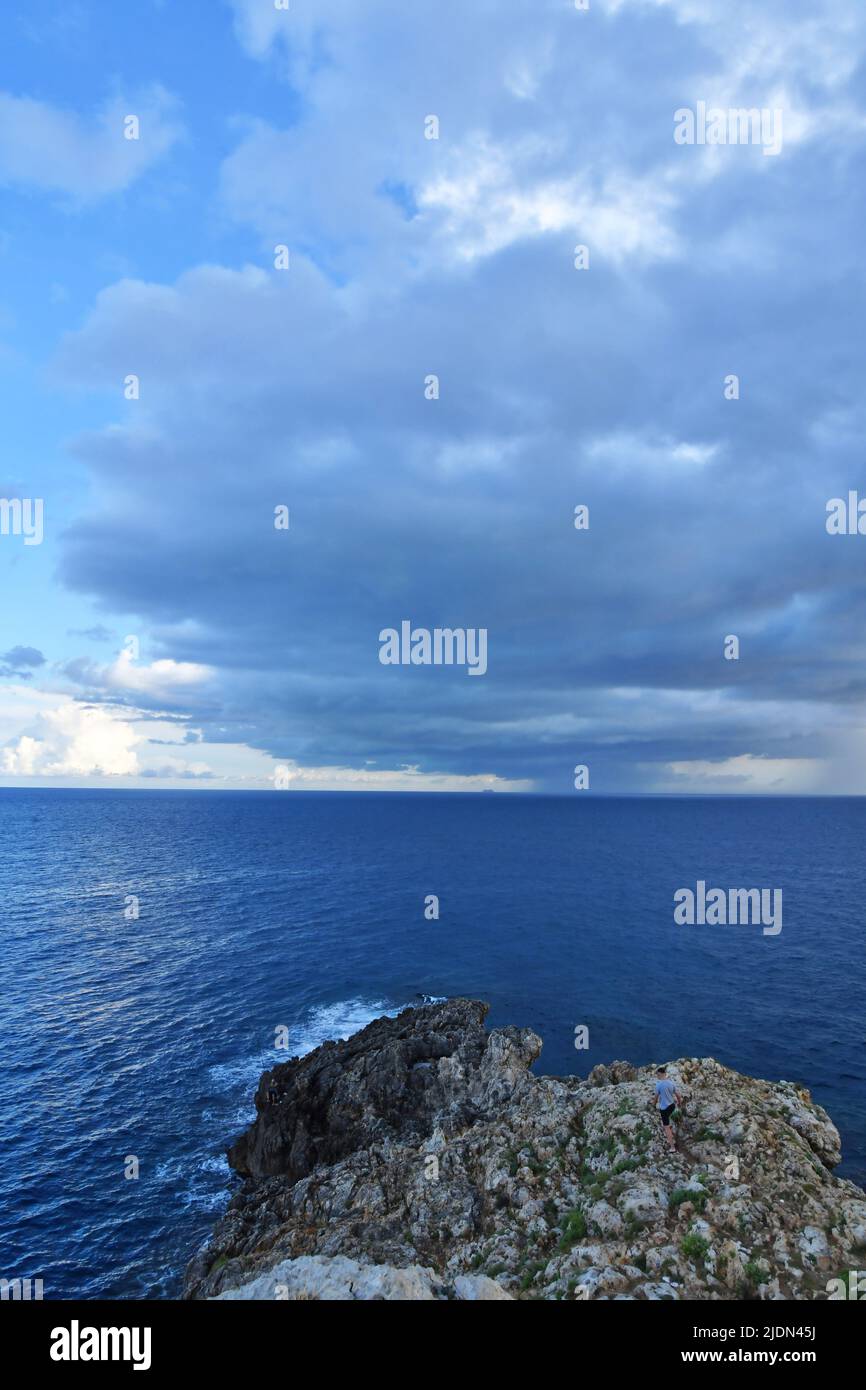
432 384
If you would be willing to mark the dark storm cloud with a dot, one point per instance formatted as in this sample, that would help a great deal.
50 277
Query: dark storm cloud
558 387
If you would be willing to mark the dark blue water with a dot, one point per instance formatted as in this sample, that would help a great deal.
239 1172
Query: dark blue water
146 1037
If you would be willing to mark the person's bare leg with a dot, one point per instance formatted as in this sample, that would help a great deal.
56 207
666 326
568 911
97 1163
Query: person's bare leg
669 1135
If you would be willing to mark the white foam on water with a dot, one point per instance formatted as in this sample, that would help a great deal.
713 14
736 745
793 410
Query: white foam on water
236 1082
327 1023
203 1201
333 1022
173 1169
199 1184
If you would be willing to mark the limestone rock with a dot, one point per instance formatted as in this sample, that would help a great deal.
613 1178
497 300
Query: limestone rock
421 1159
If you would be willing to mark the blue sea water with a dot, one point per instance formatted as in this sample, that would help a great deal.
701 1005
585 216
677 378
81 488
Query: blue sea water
259 910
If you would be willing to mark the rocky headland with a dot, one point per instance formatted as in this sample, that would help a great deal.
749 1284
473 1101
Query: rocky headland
422 1159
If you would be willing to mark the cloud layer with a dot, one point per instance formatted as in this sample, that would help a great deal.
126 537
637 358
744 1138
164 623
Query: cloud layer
557 387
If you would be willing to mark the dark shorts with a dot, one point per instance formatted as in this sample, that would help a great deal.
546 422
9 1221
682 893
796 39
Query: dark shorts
665 1115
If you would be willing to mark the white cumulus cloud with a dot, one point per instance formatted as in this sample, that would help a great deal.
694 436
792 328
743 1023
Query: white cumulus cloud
73 740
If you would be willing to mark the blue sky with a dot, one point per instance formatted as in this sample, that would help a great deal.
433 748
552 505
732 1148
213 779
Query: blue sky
257 649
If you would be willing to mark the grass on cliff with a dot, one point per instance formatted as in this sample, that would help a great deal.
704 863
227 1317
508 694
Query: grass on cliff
688 1194
694 1247
573 1229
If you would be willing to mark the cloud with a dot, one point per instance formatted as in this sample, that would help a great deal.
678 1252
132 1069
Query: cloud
459 512
98 633
746 773
405 779
162 680
20 661
173 770
488 198
85 157
73 740
562 128
625 450
558 387
159 678
54 737
511 162
66 739
259 26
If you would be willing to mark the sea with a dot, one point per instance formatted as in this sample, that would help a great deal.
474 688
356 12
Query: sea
159 945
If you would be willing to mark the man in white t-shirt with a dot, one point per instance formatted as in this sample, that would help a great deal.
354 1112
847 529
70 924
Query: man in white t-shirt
667 1098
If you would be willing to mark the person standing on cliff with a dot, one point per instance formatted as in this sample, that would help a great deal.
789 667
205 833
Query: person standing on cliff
667 1098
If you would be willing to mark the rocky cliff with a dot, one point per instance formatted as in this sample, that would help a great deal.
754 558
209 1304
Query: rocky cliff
421 1159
